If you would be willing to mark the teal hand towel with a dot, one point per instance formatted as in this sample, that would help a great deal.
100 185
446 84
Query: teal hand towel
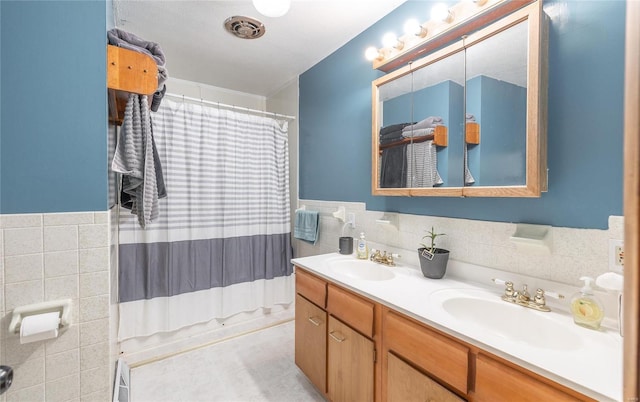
306 226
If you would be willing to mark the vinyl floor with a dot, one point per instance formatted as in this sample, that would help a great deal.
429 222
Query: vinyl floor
257 367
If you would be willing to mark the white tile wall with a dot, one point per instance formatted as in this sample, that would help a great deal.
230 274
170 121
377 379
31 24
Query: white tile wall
48 257
574 252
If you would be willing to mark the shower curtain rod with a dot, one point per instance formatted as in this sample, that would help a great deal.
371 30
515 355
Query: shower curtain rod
218 104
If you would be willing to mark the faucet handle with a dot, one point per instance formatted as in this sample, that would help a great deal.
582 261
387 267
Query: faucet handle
539 297
509 288
555 295
498 281
509 292
539 301
541 294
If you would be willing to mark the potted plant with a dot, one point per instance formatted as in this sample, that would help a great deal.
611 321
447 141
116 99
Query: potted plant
433 260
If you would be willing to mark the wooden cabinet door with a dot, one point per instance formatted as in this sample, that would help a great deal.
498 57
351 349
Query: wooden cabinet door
406 384
311 342
350 364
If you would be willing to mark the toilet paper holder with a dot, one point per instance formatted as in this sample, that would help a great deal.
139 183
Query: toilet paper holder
61 306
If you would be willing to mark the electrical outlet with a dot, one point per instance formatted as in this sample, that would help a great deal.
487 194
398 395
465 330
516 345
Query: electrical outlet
616 255
351 219
619 256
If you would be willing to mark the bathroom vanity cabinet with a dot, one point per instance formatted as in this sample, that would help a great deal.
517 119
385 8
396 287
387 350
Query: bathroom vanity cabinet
334 343
356 349
311 328
311 341
447 369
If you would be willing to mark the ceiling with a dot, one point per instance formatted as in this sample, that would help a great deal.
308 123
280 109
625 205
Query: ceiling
197 47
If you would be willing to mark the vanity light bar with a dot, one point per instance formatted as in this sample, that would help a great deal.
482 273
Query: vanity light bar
445 25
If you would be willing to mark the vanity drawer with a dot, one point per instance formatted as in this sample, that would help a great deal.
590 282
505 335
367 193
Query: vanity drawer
351 309
436 354
404 383
311 287
492 387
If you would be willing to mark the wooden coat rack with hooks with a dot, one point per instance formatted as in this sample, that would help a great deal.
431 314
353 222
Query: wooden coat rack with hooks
128 72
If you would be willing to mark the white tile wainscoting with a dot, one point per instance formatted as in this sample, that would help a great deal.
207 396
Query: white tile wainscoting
73 255
49 257
574 252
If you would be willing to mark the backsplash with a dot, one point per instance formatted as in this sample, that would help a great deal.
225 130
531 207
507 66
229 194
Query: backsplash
49 257
574 252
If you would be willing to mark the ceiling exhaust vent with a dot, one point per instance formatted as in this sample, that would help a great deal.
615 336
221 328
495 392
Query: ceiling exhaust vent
244 27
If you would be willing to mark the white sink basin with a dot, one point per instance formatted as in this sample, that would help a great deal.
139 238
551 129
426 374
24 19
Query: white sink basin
361 269
479 309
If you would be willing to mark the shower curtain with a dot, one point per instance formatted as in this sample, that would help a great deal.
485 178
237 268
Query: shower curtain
221 244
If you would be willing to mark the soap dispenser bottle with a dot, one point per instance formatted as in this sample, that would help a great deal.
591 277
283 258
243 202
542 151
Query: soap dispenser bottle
362 251
587 310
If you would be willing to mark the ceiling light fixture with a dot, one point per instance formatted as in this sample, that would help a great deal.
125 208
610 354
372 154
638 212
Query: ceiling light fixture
372 54
441 12
443 19
272 8
391 40
413 27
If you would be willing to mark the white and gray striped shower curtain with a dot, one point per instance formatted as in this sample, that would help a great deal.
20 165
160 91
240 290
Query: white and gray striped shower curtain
222 243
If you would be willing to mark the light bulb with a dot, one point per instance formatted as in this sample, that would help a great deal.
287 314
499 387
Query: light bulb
391 40
372 54
272 8
441 12
413 27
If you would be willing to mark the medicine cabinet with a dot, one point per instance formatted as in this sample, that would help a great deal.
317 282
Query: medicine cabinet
468 119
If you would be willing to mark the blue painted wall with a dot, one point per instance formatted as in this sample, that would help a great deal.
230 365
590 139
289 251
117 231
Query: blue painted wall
586 76
53 142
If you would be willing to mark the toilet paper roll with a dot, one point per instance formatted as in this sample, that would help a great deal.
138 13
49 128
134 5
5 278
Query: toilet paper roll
39 327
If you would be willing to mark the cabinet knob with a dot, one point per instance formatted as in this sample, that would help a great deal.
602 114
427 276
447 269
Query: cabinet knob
314 321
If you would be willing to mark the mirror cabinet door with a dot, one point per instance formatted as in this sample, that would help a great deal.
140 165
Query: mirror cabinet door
418 127
506 102
438 103
395 106
496 101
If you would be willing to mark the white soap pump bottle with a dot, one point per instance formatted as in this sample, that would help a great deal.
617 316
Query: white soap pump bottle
362 251
587 310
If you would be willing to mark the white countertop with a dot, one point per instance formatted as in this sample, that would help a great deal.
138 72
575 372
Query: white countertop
594 367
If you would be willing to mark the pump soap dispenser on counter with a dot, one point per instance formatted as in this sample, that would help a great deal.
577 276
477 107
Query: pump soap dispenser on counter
362 251
587 310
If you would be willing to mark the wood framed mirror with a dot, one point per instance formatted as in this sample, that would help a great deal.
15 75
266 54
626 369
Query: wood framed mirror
468 119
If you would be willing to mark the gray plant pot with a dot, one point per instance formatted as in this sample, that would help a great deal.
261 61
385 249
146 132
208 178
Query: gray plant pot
436 267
